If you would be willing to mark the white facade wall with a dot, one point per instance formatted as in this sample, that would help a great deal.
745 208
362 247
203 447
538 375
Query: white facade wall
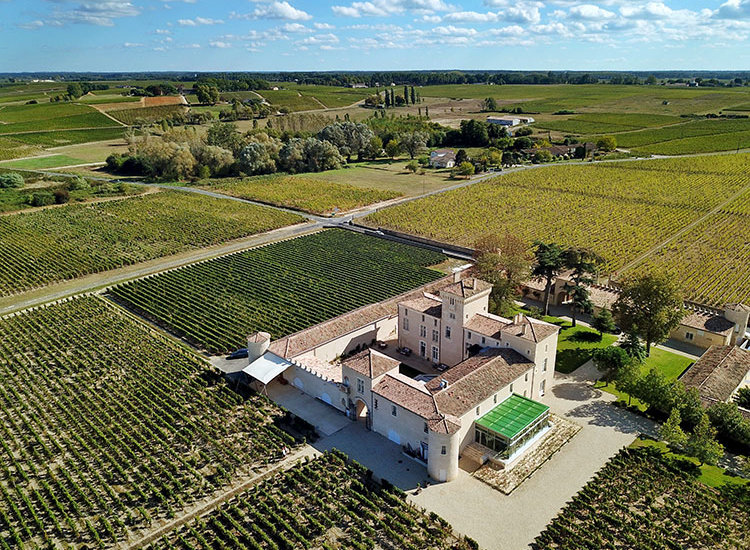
382 329
356 381
405 427
312 384
411 337
442 467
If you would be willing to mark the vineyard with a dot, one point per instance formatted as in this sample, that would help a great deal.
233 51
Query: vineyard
146 114
107 427
57 244
303 193
328 503
620 210
280 288
713 258
50 116
642 499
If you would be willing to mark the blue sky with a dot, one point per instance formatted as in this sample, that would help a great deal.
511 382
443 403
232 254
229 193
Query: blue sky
208 35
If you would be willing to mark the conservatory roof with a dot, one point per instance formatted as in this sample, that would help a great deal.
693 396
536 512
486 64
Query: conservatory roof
267 367
513 416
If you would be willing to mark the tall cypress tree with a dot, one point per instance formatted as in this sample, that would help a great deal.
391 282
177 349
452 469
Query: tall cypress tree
413 96
406 95
387 98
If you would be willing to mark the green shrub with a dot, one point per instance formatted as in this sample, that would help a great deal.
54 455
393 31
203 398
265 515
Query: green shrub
11 179
61 196
42 198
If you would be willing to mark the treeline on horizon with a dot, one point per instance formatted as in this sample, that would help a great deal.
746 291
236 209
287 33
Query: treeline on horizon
237 81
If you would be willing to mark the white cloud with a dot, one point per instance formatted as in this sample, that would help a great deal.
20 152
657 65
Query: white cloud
163 31
734 9
295 28
323 26
472 16
132 45
219 44
31 25
590 12
198 21
101 13
328 38
384 8
450 30
280 10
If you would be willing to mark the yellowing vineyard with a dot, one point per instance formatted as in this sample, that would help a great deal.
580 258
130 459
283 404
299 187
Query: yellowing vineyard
622 210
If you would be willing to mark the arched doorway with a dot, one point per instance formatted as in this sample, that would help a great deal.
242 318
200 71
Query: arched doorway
362 413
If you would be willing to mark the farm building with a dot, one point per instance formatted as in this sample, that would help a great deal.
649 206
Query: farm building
443 158
431 370
719 374
700 328
509 121
577 150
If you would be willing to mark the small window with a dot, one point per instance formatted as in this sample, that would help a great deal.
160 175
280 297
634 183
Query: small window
422 331
360 385
468 335
511 388
434 322
544 366
447 332
452 315
435 335
526 377
393 410
483 339
375 404
452 301
435 354
425 427
406 312
406 323
546 347
443 450
423 318
477 411
689 336
494 399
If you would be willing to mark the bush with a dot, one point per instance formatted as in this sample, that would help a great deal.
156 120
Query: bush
525 131
11 179
77 183
61 196
43 198
606 143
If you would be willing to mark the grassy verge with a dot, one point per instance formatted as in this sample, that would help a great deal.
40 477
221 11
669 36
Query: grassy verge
41 163
713 476
671 365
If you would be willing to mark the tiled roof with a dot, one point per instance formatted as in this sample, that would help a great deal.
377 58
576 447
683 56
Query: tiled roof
371 363
426 303
467 287
474 380
414 397
309 338
523 327
710 323
718 372
258 337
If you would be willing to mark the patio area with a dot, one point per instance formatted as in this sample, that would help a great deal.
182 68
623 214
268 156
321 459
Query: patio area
413 361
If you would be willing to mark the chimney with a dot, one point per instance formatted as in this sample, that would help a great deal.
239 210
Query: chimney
443 383
456 276
257 345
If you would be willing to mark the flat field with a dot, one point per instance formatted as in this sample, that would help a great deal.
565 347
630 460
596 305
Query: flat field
62 243
621 210
328 503
279 288
304 192
644 499
50 116
108 427
15 199
146 114
387 176
41 163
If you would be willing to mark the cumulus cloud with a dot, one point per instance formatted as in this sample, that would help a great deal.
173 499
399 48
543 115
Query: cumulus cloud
590 12
734 9
219 44
384 8
280 10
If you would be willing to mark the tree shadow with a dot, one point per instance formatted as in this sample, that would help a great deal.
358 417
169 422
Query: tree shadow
569 360
601 413
585 336
575 391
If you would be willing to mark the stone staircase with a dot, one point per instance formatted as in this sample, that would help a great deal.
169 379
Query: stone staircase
474 452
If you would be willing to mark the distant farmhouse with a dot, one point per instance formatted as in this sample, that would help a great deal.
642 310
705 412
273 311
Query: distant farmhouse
574 150
481 374
509 121
443 158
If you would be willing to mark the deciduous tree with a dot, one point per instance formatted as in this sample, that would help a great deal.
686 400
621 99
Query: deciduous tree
549 262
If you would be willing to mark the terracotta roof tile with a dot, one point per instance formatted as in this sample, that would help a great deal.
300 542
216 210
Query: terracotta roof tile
426 303
526 327
476 379
719 371
371 363
710 323
467 287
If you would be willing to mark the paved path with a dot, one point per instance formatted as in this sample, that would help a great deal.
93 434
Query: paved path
98 281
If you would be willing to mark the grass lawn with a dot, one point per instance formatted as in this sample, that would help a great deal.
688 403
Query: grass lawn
713 476
388 176
43 162
669 364
575 345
